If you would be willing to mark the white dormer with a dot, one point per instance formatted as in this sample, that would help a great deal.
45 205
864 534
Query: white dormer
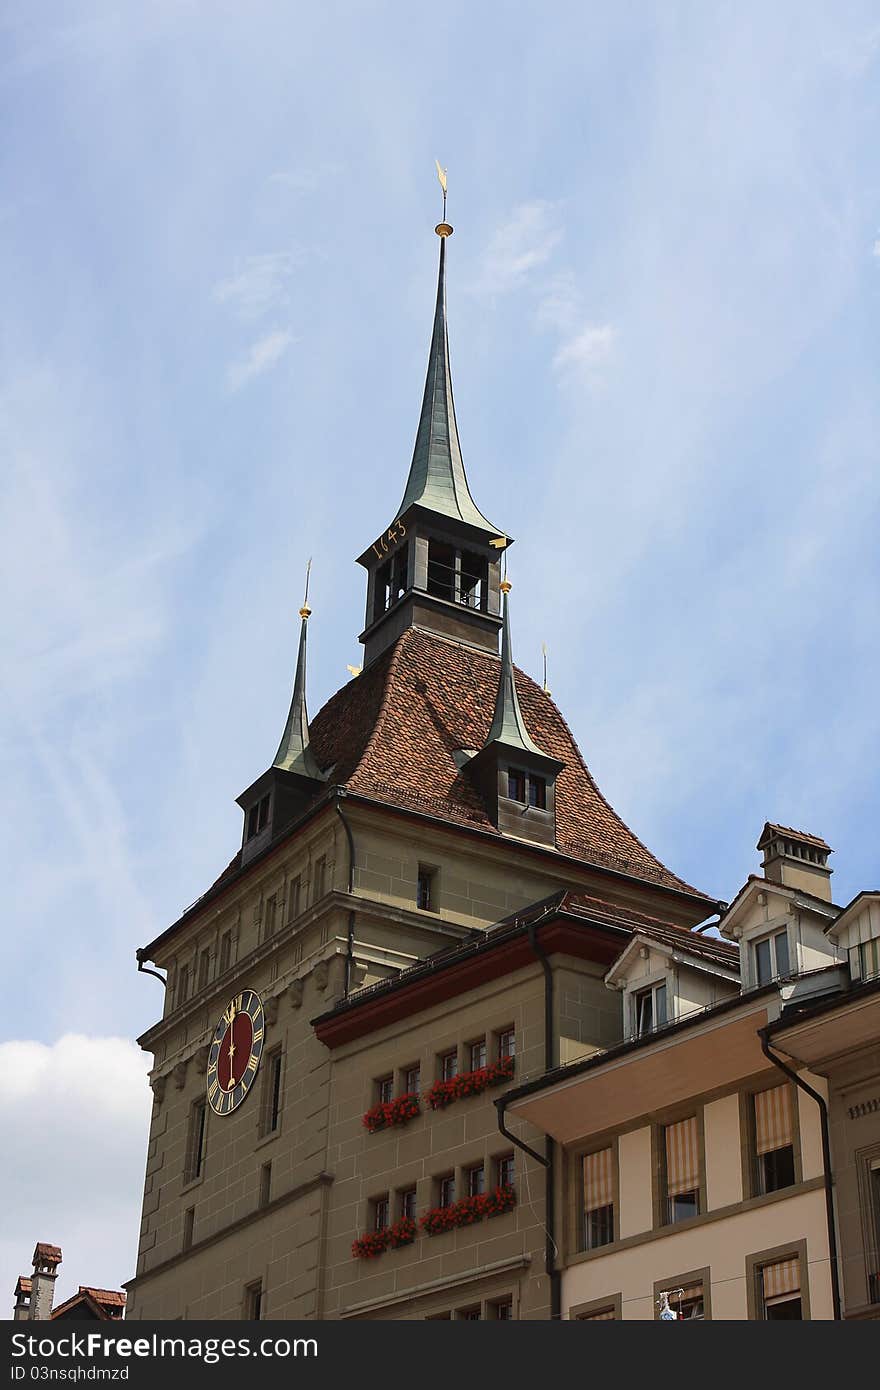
781 932
857 933
664 980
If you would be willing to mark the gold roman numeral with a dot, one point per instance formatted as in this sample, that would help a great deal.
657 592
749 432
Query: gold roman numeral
213 1088
252 1063
258 1035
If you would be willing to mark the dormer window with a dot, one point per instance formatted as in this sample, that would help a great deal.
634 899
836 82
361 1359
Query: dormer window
771 958
527 787
650 1009
258 817
538 792
869 959
516 784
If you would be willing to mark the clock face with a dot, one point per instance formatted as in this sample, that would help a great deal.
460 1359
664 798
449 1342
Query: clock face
235 1053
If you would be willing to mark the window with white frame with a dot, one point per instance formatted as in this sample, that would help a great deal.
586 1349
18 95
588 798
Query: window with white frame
649 1009
771 958
866 958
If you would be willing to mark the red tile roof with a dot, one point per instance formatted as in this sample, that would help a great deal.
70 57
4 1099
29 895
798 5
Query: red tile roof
47 1254
392 733
771 829
24 1285
114 1298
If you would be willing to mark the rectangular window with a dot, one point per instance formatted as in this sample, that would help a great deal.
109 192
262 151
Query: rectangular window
253 1301
869 959
501 1310
425 890
195 1148
598 1199
258 817
408 1203
204 967
650 1007
771 958
871 1228
476 1180
516 784
688 1302
189 1218
412 1080
506 1044
600 1315
473 580
477 1054
265 1184
385 1089
682 1169
779 1285
468 1314
446 1190
538 793
293 898
272 1092
381 1210
506 1170
270 916
320 878
225 951
449 1065
441 570
774 1139
182 985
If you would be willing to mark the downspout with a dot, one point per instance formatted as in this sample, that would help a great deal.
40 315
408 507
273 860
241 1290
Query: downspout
826 1163
349 959
145 969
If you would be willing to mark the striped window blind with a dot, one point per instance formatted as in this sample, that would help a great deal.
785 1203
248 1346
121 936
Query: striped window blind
682 1157
773 1127
598 1180
782 1277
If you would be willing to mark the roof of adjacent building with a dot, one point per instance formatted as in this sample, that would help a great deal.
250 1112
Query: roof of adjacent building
47 1254
575 923
101 1303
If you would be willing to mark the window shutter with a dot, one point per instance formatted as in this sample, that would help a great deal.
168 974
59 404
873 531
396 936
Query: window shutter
682 1157
783 1277
598 1180
773 1127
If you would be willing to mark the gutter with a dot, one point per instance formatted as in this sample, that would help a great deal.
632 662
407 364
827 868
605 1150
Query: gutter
826 1162
349 958
141 956
548 1163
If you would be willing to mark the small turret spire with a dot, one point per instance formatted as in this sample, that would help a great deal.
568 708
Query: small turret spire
437 480
508 725
294 751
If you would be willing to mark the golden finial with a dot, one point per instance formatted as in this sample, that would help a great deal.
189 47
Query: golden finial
506 586
305 611
443 228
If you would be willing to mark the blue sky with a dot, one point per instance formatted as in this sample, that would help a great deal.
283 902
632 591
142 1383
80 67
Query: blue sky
218 275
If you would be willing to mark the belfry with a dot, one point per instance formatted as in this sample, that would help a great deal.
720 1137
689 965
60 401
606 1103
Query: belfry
429 890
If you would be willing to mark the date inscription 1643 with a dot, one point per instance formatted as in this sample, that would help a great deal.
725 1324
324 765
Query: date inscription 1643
392 537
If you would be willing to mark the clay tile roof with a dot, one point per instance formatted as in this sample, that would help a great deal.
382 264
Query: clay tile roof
392 734
659 929
771 829
47 1254
111 1298
24 1285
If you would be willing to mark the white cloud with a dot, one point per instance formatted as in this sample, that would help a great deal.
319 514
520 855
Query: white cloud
587 351
262 356
79 1110
525 241
260 284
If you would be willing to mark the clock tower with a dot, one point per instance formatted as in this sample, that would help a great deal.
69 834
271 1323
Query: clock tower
429 886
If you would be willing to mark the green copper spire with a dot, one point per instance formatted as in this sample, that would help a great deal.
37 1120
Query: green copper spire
508 725
437 478
294 751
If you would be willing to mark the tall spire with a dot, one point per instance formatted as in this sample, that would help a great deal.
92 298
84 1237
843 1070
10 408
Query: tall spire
294 751
508 726
437 479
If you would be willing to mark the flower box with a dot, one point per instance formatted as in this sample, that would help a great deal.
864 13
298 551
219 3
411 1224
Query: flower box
371 1245
468 1211
470 1083
392 1112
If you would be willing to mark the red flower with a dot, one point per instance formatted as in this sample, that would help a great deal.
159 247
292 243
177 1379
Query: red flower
392 1112
470 1083
468 1210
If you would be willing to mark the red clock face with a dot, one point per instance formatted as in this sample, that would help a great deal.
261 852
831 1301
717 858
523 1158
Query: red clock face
235 1052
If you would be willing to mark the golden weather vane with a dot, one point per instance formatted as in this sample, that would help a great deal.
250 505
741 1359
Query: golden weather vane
441 174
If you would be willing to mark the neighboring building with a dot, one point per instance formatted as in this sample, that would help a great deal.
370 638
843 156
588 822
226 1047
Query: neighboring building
699 1171
349 955
34 1295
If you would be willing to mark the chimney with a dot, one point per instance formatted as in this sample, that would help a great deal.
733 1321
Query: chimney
22 1309
47 1258
796 860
